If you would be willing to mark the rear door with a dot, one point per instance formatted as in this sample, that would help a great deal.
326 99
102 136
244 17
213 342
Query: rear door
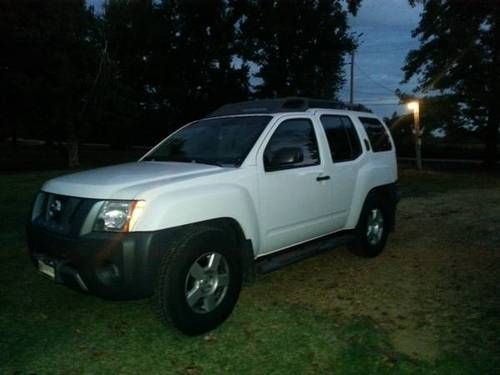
295 200
345 158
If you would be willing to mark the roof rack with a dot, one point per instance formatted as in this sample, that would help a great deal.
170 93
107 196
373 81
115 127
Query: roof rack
289 104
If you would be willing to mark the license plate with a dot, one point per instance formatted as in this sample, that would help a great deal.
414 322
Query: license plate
46 269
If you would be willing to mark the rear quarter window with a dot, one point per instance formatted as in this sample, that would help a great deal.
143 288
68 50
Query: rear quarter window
377 134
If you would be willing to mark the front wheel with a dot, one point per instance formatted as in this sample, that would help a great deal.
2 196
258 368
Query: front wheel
199 281
372 229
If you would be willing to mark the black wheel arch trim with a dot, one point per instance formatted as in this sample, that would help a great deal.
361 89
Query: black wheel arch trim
244 245
391 195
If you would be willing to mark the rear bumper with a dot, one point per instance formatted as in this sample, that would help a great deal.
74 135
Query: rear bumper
109 265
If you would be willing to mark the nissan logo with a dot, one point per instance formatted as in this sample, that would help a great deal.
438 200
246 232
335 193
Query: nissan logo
55 208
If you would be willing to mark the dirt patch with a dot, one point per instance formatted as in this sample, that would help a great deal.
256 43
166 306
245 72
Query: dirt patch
435 287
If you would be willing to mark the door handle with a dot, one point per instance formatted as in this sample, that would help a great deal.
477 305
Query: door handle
322 178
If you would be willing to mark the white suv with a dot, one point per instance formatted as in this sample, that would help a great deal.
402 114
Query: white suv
251 188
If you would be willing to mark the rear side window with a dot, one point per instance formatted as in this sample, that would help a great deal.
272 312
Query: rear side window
295 133
342 137
377 134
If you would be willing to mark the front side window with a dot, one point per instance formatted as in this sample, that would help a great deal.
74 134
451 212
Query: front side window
293 145
377 134
220 141
342 138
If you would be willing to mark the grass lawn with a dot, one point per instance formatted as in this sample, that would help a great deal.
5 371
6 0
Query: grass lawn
428 304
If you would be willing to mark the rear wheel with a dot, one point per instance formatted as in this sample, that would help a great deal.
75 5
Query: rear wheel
372 229
199 281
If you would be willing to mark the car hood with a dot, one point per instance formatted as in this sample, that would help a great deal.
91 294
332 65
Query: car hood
125 181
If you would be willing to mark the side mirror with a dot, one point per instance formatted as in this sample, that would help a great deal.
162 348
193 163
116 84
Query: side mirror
286 156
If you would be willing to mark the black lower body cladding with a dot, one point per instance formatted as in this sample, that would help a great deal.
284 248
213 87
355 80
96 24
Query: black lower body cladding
109 265
394 195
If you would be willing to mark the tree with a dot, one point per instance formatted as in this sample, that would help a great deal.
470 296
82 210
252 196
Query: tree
191 70
67 74
298 45
48 66
127 29
436 112
459 53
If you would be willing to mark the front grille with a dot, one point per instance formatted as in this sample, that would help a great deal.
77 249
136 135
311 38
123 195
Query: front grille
61 214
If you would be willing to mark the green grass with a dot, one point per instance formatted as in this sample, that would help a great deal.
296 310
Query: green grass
46 328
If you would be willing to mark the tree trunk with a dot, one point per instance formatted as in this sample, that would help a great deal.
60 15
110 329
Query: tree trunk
493 124
72 147
491 133
14 137
73 157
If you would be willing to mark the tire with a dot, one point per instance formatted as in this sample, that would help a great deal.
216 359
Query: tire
199 280
373 228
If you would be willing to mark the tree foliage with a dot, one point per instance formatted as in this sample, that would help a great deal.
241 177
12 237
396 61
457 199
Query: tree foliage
299 45
48 62
137 69
192 61
436 112
459 55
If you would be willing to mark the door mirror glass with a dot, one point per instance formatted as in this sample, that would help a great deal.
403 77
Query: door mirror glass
293 145
286 156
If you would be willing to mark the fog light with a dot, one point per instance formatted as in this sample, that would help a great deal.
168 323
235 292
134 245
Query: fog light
108 274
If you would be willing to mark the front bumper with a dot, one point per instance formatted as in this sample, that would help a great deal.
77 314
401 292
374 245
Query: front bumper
109 265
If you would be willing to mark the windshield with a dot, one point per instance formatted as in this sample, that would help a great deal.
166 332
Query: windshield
220 141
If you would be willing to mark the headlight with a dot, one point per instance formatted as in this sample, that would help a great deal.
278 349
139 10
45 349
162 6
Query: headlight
118 216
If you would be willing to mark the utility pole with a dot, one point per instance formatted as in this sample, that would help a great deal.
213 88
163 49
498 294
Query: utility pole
418 140
417 131
351 95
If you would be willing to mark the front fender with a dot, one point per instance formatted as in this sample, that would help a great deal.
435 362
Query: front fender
201 203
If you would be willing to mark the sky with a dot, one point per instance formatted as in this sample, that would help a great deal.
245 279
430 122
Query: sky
386 26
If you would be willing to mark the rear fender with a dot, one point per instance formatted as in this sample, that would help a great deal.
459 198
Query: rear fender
372 176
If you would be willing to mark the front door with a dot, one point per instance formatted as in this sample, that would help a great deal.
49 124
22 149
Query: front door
295 196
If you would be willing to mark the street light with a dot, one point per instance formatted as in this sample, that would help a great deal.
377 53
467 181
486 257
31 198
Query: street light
412 106
417 132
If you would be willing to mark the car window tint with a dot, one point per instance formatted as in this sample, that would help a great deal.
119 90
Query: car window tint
342 137
223 141
353 137
377 134
294 133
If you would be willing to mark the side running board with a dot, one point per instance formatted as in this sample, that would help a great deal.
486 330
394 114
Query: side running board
273 262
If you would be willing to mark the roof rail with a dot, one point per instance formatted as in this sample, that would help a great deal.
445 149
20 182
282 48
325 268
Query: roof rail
288 104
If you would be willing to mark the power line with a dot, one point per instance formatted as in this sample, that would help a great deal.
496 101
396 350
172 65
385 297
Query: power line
393 43
381 51
370 92
377 99
374 81
351 82
370 104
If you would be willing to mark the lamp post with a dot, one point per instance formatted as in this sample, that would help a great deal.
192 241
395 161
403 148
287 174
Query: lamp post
417 132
